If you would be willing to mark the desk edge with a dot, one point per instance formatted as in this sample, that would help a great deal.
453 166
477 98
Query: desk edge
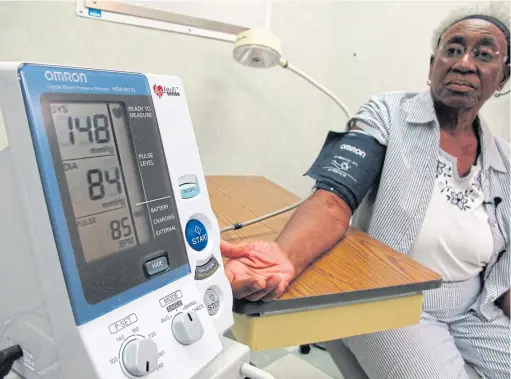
248 308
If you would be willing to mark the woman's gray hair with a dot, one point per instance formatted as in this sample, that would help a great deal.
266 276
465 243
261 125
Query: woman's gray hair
496 9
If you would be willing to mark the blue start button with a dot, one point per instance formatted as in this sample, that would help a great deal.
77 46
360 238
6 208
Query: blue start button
196 235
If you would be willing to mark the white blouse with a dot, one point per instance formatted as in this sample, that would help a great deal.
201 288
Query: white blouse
455 239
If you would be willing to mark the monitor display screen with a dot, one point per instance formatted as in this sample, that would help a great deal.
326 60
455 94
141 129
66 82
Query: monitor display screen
104 155
102 175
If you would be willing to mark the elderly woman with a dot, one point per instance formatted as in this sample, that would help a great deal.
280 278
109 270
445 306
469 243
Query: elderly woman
425 176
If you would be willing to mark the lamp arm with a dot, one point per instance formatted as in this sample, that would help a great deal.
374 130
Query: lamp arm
285 64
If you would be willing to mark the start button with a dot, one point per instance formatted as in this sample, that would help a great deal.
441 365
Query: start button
196 235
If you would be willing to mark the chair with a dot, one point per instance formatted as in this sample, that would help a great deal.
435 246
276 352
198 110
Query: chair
349 366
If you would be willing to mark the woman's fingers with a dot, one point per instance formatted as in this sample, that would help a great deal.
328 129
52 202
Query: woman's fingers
275 294
229 273
231 250
272 283
243 287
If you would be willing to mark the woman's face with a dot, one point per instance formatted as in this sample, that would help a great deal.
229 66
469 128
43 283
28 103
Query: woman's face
469 64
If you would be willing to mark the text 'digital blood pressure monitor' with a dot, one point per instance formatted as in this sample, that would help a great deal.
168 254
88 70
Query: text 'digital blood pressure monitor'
136 239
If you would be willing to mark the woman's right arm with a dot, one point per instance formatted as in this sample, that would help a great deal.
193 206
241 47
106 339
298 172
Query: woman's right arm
261 270
345 170
305 236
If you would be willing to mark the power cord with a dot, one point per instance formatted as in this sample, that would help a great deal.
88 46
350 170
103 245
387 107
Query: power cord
253 372
7 358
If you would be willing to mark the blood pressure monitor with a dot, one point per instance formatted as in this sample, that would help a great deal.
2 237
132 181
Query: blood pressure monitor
110 263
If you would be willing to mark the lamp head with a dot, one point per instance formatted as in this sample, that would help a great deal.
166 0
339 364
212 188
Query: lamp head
257 48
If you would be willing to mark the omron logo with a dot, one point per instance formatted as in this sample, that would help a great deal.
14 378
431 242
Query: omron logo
353 150
58 76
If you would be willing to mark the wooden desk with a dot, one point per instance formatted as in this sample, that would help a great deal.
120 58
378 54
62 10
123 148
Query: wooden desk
360 286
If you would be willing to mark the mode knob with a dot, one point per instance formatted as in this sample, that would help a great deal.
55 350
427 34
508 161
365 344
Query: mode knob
140 357
187 328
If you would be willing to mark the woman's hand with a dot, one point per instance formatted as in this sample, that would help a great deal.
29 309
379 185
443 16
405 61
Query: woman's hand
257 270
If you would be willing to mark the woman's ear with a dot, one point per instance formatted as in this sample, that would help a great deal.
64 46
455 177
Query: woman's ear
431 62
505 76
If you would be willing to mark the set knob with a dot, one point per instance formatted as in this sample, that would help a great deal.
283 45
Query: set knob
140 357
187 328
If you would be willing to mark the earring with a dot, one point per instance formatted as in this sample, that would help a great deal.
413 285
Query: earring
497 94
428 82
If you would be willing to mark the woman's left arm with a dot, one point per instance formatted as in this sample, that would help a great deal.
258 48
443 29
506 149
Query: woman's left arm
503 303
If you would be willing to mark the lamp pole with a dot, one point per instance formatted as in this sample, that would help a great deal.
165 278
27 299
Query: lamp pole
285 64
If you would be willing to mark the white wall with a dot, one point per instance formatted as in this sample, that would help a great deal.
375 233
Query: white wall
250 121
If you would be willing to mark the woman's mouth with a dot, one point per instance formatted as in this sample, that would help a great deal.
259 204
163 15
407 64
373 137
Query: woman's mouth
460 86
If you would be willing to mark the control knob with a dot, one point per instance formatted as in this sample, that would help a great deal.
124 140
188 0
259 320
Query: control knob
140 357
187 328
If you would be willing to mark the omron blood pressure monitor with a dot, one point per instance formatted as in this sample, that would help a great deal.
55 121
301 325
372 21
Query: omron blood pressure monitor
110 261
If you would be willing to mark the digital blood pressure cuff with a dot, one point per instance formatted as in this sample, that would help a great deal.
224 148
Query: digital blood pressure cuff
348 165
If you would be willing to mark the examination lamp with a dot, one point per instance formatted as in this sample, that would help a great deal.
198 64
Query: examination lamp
259 48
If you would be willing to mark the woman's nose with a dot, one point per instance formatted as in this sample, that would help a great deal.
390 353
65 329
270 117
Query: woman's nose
466 63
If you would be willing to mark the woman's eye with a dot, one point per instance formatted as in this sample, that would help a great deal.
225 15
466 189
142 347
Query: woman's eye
485 56
454 51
